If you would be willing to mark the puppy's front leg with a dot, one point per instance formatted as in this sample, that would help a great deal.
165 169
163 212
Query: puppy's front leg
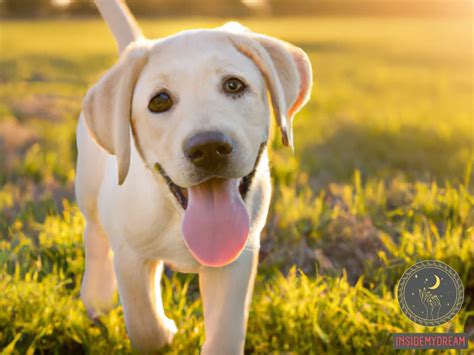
226 293
98 284
139 289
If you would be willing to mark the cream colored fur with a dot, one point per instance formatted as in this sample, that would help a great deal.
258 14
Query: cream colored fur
133 221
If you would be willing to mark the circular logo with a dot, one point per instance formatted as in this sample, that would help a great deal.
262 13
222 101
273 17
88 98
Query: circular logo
430 293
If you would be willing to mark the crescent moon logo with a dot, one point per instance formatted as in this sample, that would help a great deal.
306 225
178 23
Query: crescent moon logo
430 305
436 284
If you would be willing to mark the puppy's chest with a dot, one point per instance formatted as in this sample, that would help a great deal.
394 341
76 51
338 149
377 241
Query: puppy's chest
146 222
167 244
155 236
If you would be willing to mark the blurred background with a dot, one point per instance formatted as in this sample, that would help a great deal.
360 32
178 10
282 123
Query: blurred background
381 177
239 8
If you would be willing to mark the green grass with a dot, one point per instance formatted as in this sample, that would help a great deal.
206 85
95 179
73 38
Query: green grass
381 178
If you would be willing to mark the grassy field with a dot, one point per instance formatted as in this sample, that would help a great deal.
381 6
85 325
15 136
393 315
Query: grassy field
381 178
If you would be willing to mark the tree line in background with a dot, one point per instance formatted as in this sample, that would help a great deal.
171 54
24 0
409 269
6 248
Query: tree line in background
241 8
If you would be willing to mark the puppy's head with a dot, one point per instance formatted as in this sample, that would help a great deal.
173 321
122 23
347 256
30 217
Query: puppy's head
197 106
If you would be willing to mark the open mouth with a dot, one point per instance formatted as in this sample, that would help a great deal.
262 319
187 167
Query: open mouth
216 223
181 193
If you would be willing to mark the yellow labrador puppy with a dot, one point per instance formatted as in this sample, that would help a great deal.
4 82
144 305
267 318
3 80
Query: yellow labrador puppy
173 168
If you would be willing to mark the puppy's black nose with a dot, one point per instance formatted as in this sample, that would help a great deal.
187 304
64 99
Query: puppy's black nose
208 150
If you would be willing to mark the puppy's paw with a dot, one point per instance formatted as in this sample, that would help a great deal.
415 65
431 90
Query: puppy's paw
151 339
95 307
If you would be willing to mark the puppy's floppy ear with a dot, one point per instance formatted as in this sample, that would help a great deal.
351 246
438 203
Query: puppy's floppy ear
107 106
287 73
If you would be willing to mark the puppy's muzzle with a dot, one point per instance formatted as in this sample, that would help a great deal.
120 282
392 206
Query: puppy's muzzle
209 151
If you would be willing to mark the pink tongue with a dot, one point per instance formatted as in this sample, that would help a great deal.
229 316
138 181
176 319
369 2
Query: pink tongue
216 223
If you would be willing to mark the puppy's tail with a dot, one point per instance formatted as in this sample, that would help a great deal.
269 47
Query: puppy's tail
120 21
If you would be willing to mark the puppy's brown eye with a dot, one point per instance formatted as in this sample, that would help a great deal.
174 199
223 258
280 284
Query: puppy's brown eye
160 103
233 86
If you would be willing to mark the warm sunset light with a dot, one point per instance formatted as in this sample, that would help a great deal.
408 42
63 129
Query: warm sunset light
236 177
61 3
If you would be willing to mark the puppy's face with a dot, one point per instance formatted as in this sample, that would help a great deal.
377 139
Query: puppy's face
200 109
196 104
